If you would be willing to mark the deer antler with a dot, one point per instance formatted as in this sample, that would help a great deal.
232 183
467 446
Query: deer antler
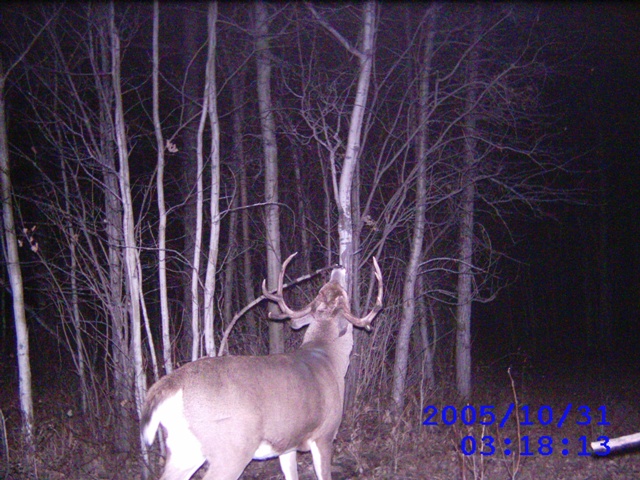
279 298
365 322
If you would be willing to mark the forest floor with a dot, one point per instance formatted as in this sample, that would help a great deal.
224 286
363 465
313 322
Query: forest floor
370 445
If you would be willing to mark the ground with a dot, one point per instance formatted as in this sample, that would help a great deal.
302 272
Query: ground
371 444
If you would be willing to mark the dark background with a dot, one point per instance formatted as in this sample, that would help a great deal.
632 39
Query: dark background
561 277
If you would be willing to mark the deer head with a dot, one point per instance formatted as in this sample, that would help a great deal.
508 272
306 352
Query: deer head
230 410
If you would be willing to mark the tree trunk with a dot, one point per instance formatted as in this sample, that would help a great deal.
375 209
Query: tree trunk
132 262
352 156
17 291
415 254
267 121
76 320
237 91
162 210
193 65
214 201
230 265
301 224
328 243
428 340
115 302
465 238
197 248
352 153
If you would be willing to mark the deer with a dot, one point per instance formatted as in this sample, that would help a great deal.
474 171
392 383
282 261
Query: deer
230 410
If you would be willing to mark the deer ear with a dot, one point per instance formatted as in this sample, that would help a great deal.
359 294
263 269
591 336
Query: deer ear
343 325
298 323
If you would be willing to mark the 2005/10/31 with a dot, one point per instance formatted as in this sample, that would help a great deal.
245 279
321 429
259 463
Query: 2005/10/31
529 447
485 415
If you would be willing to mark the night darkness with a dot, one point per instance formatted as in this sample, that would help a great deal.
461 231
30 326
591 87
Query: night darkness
563 328
599 98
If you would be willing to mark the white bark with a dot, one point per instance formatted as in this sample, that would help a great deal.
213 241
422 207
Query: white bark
352 153
162 211
195 273
132 263
267 121
13 267
214 233
415 255
345 186
15 280
120 344
193 64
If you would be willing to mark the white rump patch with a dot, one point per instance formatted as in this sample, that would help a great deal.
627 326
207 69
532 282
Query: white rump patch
185 448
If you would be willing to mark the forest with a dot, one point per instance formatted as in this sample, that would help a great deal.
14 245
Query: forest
160 160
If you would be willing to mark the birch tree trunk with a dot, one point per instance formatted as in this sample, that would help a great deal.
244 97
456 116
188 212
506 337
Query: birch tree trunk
162 210
17 291
352 153
197 249
117 310
417 242
132 263
214 204
14 271
347 248
345 186
465 238
193 64
328 243
267 122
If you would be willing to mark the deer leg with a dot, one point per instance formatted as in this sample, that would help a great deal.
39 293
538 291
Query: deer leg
288 465
321 452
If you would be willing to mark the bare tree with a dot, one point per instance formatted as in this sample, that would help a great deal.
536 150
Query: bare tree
192 62
418 237
364 54
131 254
347 186
14 271
210 106
10 247
465 260
162 209
270 149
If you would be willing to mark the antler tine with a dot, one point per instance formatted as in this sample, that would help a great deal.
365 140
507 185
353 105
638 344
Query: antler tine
365 321
278 297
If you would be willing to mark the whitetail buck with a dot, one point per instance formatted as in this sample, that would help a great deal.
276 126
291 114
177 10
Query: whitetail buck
230 410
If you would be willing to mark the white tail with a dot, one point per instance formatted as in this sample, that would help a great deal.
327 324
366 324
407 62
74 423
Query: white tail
230 410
